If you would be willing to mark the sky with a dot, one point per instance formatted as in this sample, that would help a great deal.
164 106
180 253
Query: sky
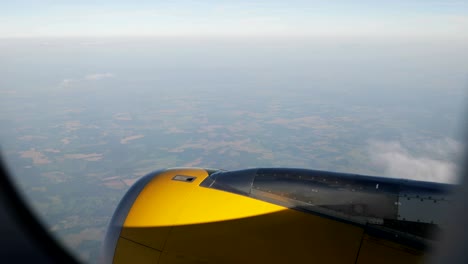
412 18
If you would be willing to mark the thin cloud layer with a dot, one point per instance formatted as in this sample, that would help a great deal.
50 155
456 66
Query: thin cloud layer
438 165
98 76
69 82
66 83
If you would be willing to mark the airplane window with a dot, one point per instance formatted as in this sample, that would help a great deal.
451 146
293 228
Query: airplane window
93 96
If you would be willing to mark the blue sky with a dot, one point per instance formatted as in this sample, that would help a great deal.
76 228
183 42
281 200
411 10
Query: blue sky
234 18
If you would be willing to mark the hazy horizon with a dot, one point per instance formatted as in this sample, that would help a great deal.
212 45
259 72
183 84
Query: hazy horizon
421 81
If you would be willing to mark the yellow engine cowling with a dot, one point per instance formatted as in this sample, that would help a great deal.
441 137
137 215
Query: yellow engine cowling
168 217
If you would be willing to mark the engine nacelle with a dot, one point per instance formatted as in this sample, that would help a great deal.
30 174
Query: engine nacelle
273 215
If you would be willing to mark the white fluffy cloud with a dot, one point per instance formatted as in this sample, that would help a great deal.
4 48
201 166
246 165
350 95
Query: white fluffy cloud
438 165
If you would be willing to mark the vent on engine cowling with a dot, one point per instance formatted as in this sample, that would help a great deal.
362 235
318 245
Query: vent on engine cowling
184 178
